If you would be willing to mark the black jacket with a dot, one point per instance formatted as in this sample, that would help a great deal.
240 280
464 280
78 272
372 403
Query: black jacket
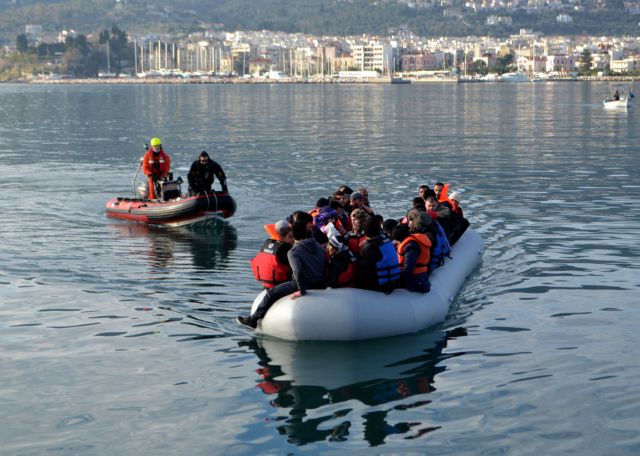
201 177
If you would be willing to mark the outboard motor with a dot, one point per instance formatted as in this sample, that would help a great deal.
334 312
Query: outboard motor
170 189
142 192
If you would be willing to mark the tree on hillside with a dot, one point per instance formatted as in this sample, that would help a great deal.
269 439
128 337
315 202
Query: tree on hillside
118 45
22 43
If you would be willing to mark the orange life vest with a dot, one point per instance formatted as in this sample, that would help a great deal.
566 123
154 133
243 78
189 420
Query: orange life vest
424 257
267 269
444 196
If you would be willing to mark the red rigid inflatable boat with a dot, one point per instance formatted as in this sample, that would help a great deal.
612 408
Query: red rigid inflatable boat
172 208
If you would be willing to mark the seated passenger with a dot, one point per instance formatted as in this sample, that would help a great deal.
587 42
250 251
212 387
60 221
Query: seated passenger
314 231
326 221
378 267
271 265
308 261
356 236
424 192
342 264
357 202
388 225
414 251
322 202
441 191
441 213
343 222
459 224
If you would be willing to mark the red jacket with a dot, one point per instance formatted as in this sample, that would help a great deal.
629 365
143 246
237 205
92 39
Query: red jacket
156 165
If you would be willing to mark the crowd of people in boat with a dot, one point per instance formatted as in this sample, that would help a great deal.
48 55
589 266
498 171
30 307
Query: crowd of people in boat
156 165
342 242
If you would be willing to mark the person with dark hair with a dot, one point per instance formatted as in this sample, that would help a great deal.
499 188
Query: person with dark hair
357 202
388 225
308 263
418 203
378 267
346 191
424 192
414 251
201 175
441 213
322 202
441 190
337 203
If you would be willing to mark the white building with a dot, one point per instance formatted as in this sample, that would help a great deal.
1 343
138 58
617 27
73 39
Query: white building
372 57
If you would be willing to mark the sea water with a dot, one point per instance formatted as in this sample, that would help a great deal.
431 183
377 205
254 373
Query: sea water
120 338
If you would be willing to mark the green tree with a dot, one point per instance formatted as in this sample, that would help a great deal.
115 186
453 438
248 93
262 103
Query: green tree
504 64
478 67
585 62
22 43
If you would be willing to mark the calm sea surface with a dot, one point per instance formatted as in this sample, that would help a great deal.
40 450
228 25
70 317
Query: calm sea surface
117 338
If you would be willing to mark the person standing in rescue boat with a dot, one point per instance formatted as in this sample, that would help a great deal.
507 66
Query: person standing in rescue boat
156 164
201 175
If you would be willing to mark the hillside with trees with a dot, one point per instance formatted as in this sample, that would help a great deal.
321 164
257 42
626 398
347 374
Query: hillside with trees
321 17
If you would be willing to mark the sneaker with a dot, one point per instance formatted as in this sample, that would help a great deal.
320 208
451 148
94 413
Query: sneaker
246 321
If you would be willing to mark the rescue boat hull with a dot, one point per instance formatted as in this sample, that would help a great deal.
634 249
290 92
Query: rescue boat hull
342 314
175 212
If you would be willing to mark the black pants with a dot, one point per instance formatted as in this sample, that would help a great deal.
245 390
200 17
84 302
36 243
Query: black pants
273 294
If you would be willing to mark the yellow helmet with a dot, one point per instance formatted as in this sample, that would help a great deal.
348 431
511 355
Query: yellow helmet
156 142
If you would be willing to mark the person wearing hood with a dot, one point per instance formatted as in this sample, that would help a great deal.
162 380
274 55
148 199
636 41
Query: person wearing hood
308 264
201 175
156 165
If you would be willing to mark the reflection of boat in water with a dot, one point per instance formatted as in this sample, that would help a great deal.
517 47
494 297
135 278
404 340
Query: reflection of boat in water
356 314
302 376
209 243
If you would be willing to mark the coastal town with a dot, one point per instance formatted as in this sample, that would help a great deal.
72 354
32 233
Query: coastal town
267 56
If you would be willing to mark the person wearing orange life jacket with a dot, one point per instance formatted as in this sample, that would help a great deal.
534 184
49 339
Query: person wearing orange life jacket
342 264
271 265
414 251
156 164
441 190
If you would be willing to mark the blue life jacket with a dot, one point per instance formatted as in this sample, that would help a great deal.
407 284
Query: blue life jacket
441 249
388 268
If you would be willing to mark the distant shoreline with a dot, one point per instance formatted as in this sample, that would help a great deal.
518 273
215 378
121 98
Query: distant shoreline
629 79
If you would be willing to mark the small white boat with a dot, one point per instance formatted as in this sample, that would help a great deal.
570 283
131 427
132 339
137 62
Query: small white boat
618 99
517 76
610 103
342 314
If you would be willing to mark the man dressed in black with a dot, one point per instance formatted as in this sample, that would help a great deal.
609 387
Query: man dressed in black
201 175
